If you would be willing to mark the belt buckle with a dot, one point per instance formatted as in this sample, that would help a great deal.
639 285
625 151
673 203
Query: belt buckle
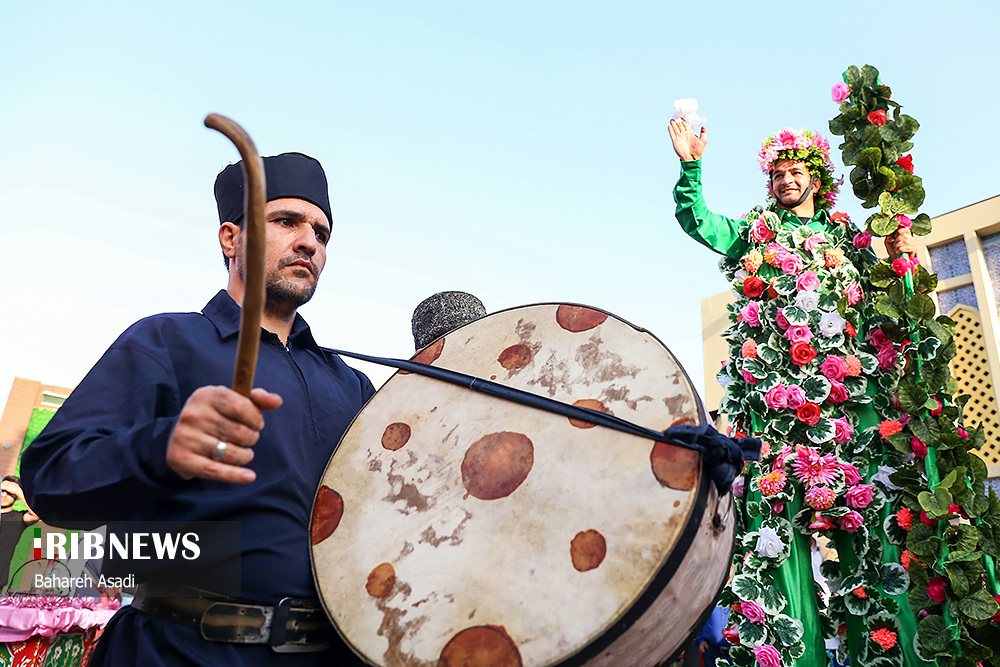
279 630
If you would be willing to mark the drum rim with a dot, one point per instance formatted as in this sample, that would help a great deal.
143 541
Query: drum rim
665 573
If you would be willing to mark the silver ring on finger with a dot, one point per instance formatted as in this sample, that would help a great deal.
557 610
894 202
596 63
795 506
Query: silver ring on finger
220 450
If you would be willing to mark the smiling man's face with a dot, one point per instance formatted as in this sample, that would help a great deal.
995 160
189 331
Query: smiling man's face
790 181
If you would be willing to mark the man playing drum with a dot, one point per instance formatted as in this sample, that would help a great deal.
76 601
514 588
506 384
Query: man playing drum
152 434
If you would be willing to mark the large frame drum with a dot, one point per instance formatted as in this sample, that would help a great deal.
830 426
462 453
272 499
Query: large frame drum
453 528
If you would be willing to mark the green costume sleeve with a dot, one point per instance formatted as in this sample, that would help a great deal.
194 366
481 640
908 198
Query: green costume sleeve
712 230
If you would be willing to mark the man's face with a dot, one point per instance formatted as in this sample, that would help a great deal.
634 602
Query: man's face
10 493
297 234
789 181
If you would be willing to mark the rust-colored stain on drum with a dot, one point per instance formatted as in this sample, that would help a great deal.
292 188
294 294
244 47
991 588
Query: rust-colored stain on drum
579 318
515 357
496 464
481 646
674 466
327 512
381 580
591 403
428 355
395 436
588 550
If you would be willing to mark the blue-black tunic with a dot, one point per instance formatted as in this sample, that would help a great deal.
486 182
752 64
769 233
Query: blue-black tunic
103 458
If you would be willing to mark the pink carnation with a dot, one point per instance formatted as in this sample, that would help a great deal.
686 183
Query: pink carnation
749 349
851 521
860 496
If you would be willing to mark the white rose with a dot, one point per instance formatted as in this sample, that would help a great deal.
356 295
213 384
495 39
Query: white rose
831 324
769 545
807 301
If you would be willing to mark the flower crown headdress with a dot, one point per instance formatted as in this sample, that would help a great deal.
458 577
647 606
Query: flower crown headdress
802 146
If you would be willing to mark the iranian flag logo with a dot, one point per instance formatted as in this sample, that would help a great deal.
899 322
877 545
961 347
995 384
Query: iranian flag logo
38 542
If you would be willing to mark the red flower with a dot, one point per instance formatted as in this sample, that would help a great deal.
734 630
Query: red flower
996 616
849 328
859 592
936 590
906 162
876 117
808 413
771 292
904 518
732 635
918 447
840 217
884 637
924 519
802 353
889 427
904 559
753 286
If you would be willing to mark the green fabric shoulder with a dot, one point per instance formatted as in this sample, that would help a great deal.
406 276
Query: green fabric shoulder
712 230
722 234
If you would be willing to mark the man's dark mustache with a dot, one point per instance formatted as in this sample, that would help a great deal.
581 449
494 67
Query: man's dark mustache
288 261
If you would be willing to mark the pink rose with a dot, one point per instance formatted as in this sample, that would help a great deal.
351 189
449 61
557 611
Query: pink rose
782 320
776 398
841 91
860 496
844 430
753 612
878 339
936 411
751 313
796 397
760 232
738 486
918 447
963 433
852 475
749 379
936 590
904 222
807 282
799 333
777 507
901 265
820 522
853 292
850 522
767 656
887 358
791 264
862 240
834 367
838 393
783 453
810 243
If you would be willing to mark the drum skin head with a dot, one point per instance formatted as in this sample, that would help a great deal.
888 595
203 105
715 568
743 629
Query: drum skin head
455 528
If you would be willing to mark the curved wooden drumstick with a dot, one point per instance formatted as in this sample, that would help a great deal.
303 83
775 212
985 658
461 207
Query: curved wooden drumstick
253 297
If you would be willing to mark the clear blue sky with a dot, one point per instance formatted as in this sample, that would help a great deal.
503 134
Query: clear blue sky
515 150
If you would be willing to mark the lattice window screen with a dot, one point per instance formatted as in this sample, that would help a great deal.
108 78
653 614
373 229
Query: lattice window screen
972 371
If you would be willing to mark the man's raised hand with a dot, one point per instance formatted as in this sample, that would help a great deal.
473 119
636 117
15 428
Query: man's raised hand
215 432
688 145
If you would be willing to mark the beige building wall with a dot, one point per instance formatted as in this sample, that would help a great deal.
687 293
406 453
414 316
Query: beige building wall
25 396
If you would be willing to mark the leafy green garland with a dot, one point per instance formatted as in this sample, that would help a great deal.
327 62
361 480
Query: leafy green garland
948 524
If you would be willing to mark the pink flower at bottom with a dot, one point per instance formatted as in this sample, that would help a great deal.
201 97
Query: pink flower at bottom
767 656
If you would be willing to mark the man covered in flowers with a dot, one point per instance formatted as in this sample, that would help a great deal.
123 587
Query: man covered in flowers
806 378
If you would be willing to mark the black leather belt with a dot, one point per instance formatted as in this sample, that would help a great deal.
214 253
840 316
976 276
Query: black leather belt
291 626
